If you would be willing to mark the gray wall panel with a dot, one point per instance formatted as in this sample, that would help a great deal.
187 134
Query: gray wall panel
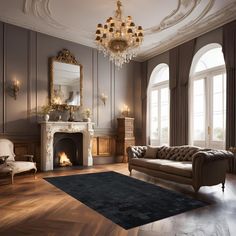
124 88
1 76
16 60
104 85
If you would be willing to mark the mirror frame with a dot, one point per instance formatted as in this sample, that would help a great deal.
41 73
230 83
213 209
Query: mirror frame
65 56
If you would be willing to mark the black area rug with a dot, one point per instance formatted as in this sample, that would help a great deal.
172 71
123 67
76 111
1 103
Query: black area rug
126 201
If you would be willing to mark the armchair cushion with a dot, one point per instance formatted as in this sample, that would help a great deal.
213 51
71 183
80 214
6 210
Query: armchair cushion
21 166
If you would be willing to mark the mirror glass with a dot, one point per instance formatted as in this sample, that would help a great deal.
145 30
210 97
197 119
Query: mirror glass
66 82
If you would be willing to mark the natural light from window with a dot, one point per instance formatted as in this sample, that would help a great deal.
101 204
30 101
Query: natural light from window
208 99
158 103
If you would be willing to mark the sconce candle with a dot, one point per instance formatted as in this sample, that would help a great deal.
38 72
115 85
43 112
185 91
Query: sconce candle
15 87
104 98
125 111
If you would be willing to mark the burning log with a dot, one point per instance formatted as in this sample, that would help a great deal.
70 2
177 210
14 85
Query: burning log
63 159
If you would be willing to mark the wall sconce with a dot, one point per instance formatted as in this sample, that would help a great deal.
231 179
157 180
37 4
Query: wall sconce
125 111
15 87
104 98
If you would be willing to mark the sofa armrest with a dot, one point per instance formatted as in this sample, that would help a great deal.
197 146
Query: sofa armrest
203 156
26 157
210 167
136 151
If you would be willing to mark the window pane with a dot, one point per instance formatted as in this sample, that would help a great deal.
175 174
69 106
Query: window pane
164 119
218 108
210 59
198 110
154 115
161 75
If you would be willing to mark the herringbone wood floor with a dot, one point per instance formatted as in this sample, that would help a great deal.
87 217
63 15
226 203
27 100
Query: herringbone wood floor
34 207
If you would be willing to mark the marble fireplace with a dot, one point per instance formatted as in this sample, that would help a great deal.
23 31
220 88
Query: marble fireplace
58 135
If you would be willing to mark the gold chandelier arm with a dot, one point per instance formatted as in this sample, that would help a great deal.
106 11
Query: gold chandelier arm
118 11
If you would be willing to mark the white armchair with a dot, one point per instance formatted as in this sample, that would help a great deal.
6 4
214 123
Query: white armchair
8 165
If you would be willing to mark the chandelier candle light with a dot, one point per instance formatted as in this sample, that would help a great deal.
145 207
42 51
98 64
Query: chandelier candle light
119 37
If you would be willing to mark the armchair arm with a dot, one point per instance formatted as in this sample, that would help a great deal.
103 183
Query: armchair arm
27 157
136 151
210 166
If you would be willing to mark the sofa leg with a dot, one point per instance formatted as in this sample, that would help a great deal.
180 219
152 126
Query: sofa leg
196 189
223 187
130 171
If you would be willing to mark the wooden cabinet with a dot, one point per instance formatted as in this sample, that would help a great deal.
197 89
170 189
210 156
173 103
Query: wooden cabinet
103 146
125 136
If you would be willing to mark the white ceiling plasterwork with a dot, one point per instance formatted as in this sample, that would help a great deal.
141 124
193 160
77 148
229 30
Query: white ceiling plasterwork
184 8
192 30
166 23
41 9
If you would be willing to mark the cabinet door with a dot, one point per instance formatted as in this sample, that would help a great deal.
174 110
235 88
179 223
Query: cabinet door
103 146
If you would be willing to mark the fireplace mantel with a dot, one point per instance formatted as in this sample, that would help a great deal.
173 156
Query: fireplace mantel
49 128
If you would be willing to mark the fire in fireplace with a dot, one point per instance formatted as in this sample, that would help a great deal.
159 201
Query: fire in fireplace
67 149
64 159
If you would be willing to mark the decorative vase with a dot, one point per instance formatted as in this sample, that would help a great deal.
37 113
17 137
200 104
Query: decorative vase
46 117
88 119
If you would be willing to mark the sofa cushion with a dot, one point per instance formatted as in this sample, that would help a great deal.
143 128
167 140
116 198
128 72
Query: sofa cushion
178 168
151 152
148 163
168 166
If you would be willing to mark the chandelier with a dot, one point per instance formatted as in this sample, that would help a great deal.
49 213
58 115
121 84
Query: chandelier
119 37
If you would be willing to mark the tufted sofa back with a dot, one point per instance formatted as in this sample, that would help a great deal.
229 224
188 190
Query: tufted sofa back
178 153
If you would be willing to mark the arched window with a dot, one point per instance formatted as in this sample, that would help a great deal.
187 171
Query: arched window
158 106
207 96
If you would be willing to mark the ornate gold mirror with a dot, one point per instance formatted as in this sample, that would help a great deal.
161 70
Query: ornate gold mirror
66 80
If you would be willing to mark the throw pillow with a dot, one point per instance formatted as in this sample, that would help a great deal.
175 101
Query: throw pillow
151 152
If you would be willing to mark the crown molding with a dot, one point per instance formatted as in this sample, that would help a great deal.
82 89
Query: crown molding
193 30
60 35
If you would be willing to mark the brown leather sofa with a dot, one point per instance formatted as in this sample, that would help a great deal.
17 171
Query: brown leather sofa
183 164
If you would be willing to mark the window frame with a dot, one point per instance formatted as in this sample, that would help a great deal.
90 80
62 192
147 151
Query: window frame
158 87
208 76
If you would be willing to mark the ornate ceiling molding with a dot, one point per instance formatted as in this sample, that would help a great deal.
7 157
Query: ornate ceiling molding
185 34
184 9
200 17
41 9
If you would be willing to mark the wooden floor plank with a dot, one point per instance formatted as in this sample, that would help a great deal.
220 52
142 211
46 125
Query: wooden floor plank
35 207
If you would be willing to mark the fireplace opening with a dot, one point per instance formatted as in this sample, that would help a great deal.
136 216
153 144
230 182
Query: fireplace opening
67 149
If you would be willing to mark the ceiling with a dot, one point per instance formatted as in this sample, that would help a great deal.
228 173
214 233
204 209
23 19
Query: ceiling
166 23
